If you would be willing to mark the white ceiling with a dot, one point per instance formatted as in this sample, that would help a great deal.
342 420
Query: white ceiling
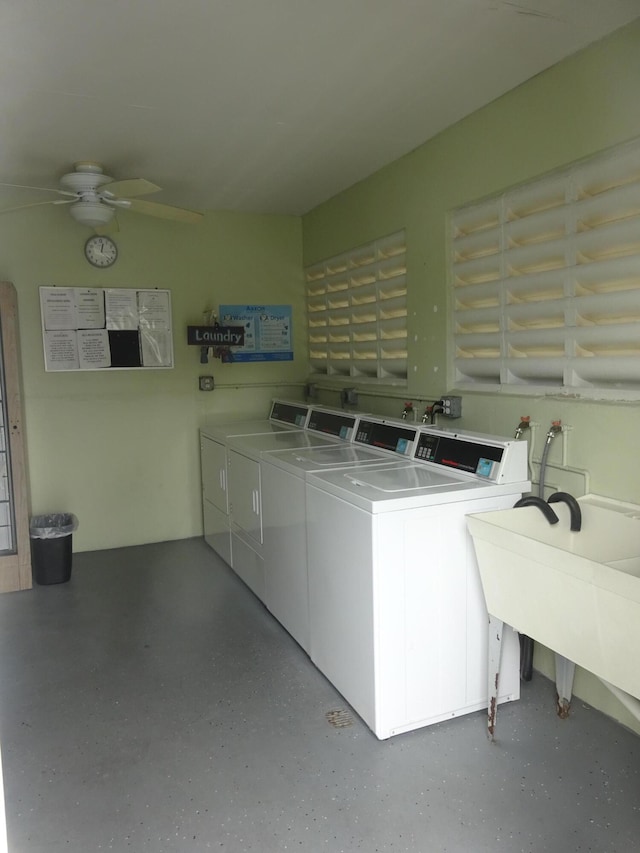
261 105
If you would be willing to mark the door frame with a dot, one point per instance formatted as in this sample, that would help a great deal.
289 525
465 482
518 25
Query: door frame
15 568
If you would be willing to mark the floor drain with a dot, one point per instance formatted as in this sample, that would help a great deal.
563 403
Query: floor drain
339 719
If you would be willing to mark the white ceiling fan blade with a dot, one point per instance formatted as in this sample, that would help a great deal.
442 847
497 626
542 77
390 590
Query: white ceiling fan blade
41 189
36 204
131 187
165 211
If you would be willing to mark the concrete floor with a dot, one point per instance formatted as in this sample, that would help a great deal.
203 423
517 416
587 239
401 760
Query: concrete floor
152 704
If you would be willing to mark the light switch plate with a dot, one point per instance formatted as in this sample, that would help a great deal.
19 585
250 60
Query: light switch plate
206 383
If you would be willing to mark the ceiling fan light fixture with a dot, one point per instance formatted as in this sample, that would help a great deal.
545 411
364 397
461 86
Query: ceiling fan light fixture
91 213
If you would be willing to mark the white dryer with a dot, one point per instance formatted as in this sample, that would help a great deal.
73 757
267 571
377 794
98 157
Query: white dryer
397 616
283 476
244 453
283 415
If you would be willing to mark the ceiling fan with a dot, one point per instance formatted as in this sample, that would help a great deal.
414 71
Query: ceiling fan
94 198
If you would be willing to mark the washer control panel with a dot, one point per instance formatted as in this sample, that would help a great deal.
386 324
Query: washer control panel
395 438
337 424
500 461
289 413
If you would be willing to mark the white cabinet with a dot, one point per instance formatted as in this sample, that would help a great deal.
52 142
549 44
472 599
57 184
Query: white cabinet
213 457
215 501
245 501
245 512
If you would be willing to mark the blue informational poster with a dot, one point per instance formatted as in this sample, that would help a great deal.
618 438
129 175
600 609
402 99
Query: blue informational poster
267 331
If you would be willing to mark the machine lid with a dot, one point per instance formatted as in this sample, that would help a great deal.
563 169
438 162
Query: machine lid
283 440
406 485
224 429
326 458
406 479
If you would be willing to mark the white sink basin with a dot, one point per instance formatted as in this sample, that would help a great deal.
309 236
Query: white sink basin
577 593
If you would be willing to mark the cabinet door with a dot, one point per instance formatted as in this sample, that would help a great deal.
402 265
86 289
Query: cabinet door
217 532
15 550
245 500
213 459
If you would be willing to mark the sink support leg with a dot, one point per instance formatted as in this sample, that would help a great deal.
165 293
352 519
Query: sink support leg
496 627
564 685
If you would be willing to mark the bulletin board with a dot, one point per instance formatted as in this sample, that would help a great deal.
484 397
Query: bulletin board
89 328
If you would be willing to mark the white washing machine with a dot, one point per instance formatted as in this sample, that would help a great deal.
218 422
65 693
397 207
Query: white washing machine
283 415
283 476
397 616
244 452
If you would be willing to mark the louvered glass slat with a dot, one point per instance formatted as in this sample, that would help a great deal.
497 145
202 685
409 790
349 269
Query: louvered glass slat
388 247
606 309
480 320
478 271
531 199
469 247
477 218
480 296
607 276
614 240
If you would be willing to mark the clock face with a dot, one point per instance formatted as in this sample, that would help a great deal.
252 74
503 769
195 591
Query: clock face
100 251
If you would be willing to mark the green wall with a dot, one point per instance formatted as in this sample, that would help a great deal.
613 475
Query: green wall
120 448
579 107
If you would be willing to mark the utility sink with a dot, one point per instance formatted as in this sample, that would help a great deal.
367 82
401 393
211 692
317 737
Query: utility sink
577 593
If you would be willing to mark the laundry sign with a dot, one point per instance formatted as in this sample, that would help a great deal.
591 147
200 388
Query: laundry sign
215 336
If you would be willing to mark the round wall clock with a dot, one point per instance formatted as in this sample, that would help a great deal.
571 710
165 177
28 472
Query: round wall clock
100 251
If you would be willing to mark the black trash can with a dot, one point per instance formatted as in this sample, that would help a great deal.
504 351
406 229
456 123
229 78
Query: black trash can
51 546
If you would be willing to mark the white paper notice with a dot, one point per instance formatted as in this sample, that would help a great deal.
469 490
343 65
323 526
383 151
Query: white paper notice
154 309
121 309
156 348
89 308
61 350
58 307
93 349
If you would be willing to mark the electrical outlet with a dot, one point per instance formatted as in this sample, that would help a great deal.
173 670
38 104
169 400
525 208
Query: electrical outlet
206 383
349 397
311 391
452 407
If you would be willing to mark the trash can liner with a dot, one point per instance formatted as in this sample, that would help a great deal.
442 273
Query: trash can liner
55 525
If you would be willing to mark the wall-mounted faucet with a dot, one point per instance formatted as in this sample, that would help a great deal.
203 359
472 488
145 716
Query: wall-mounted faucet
554 430
525 424
408 410
429 416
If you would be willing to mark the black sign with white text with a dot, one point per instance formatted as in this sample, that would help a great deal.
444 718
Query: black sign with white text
215 336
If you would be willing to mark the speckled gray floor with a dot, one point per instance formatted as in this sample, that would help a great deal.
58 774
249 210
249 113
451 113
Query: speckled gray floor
152 704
